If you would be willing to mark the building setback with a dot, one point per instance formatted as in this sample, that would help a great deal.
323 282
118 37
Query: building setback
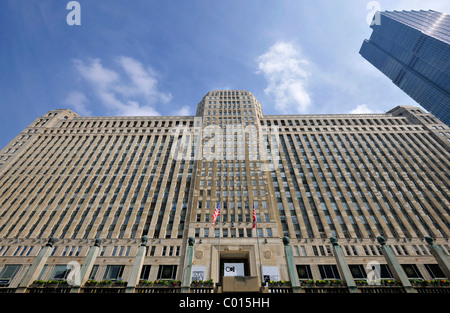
309 178
412 48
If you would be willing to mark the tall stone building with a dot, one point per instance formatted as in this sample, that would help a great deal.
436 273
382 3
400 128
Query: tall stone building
306 177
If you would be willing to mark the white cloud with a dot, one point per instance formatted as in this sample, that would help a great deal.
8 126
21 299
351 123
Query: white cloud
287 73
132 108
95 73
78 101
134 93
183 111
362 109
141 79
144 80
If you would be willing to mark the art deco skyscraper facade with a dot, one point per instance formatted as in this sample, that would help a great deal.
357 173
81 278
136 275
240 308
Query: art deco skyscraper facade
412 48
309 177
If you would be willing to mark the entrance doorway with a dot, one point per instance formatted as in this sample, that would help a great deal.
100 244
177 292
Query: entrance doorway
234 263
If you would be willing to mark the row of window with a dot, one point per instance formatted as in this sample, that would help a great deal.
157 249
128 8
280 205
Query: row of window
229 112
228 93
112 272
333 129
299 250
358 271
230 214
365 250
226 121
231 232
76 250
229 104
304 271
82 123
335 121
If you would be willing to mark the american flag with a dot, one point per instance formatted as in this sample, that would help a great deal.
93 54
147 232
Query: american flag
215 214
254 216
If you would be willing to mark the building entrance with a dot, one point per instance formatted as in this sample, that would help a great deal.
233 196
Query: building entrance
234 264
235 272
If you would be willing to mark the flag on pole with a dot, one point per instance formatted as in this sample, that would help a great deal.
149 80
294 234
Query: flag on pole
215 214
254 216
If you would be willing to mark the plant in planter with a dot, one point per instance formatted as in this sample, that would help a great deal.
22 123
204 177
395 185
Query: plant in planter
361 282
309 282
390 282
209 282
119 283
322 282
274 283
40 283
161 283
56 281
279 283
440 282
145 283
418 282
49 283
202 283
91 283
105 283
197 283
336 282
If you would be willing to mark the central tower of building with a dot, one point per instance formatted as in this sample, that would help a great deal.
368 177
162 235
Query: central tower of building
233 175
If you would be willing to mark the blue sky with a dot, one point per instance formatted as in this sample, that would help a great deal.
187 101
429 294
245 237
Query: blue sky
158 57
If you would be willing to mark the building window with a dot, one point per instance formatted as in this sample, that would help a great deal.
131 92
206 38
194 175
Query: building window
434 270
358 271
145 273
113 272
304 272
93 272
385 272
329 272
316 252
59 272
167 272
411 271
8 272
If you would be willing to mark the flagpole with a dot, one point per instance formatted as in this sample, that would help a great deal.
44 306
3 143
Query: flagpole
220 232
216 215
260 261
259 252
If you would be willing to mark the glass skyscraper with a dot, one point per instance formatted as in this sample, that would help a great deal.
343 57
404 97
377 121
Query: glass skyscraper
412 48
